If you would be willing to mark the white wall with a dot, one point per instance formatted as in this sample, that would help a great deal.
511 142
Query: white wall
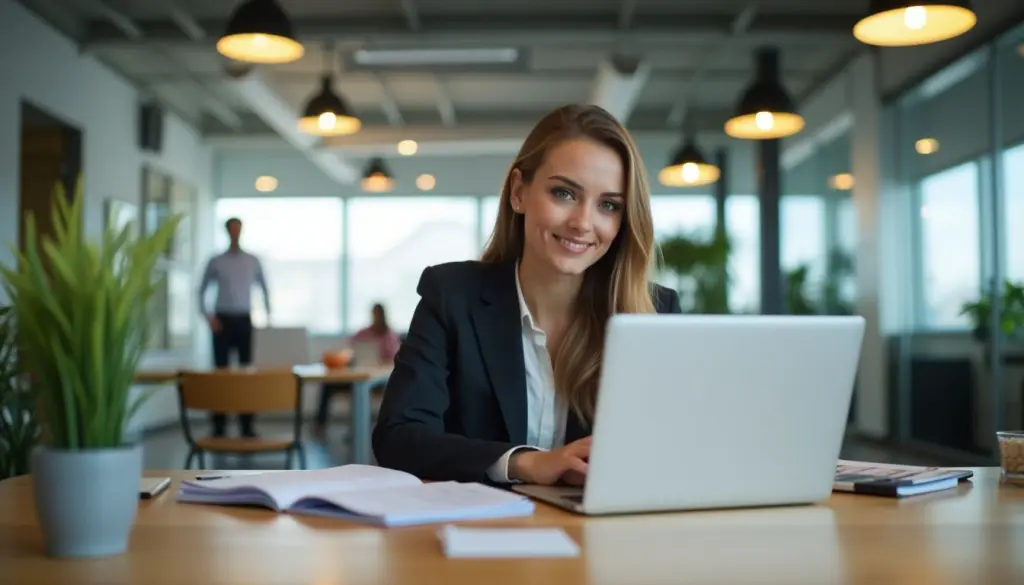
41 66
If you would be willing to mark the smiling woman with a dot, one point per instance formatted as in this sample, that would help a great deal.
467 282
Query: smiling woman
572 244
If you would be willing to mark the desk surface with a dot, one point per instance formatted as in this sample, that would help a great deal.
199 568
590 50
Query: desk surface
308 373
972 535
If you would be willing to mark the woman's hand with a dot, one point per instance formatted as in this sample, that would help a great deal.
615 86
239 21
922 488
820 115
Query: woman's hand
548 467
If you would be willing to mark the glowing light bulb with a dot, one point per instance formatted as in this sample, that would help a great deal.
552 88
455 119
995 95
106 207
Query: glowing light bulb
764 121
915 17
258 39
327 120
691 172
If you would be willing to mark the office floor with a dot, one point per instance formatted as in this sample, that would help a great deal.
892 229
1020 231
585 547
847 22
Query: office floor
166 448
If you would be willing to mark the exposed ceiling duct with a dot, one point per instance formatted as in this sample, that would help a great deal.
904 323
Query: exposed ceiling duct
618 84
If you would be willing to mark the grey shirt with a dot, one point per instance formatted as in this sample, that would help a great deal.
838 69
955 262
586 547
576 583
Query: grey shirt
234 274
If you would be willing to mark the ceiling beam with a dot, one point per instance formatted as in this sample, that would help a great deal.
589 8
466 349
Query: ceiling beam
626 11
388 104
445 105
583 74
672 30
186 23
412 15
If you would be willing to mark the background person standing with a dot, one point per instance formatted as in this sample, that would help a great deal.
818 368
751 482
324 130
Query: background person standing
234 272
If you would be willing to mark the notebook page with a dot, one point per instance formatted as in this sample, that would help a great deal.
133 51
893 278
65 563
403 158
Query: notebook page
431 502
283 488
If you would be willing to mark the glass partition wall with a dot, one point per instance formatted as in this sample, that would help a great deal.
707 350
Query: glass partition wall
958 168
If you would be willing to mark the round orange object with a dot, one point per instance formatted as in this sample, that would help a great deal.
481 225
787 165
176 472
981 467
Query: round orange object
337 359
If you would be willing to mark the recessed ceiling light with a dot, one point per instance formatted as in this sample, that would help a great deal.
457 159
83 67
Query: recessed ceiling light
841 182
425 182
266 184
926 146
407 147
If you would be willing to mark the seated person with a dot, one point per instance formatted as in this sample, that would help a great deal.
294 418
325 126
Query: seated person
379 332
497 378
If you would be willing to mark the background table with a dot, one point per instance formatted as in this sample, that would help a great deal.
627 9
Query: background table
362 381
970 536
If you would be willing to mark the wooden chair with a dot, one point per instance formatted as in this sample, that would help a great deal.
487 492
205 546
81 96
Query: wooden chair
234 391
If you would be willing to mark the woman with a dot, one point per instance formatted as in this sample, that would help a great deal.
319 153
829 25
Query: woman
497 378
379 332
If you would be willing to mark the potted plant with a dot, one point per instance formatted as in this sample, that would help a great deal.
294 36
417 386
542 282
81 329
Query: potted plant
1012 319
19 429
705 262
82 328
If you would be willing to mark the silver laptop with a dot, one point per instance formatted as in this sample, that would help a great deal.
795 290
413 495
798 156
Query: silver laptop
700 412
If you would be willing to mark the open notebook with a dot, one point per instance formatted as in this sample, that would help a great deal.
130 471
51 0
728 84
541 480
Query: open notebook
362 493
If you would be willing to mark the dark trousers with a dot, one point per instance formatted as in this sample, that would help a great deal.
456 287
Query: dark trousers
235 333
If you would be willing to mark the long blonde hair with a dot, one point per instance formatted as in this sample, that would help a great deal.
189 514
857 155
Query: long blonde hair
617 283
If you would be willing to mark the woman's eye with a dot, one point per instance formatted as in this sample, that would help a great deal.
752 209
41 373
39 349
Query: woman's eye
561 192
611 205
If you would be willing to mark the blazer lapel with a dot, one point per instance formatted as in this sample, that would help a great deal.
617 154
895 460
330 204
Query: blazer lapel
500 334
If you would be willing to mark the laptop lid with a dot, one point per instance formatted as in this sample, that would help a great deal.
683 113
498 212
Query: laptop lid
703 411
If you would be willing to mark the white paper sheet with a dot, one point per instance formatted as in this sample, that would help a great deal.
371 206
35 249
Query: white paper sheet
473 542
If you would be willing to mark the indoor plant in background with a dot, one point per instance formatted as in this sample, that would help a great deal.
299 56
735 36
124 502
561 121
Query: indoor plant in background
705 263
81 310
19 428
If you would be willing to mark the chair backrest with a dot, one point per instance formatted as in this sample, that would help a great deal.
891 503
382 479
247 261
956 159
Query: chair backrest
226 391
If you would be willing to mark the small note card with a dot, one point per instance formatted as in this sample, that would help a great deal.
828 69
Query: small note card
483 543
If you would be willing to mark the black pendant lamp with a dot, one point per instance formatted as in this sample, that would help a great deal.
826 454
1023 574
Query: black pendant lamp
377 178
259 31
688 167
327 113
765 111
901 23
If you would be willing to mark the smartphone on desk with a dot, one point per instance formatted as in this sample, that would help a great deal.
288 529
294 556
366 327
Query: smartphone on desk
151 487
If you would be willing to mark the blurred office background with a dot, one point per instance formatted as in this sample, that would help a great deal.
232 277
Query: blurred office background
901 199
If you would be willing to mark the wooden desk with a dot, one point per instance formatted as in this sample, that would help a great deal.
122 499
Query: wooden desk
362 380
969 536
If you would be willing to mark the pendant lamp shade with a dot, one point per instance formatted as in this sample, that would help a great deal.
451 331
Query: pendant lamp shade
260 32
688 168
765 111
901 23
377 178
327 114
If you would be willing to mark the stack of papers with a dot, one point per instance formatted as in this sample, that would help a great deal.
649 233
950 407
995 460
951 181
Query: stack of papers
883 479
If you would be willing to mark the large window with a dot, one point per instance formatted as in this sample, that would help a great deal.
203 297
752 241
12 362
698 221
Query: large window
1013 212
391 240
299 243
488 215
950 244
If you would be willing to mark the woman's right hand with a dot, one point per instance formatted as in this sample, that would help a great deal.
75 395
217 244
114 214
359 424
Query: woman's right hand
548 467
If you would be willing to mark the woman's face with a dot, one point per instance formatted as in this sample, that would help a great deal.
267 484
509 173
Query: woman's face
573 207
